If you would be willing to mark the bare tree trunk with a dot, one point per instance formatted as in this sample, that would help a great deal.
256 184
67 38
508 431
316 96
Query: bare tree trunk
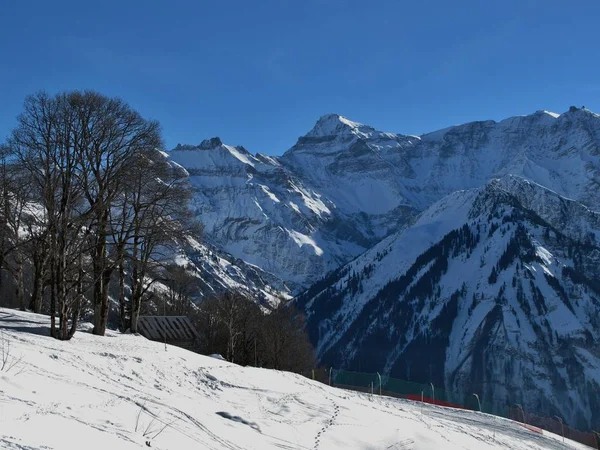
106 275
19 283
1 262
101 283
136 300
53 283
78 301
1 275
101 303
3 219
102 275
136 285
74 317
135 315
63 299
35 303
97 296
40 259
122 300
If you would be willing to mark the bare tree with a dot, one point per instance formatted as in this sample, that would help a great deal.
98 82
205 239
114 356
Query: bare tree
234 326
182 287
46 143
286 342
79 149
158 197
214 336
15 210
220 318
36 249
113 137
4 209
107 200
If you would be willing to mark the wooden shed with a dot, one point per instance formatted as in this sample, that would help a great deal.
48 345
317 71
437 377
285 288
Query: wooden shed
178 330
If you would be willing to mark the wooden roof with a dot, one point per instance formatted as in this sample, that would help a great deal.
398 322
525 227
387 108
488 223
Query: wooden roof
177 328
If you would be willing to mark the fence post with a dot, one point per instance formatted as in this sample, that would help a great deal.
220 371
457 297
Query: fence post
313 374
522 412
371 388
432 393
478 402
330 375
562 427
379 383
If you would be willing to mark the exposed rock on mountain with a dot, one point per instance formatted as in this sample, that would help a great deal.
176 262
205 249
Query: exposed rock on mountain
344 186
466 257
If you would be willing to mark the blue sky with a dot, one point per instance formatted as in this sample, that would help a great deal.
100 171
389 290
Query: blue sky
260 73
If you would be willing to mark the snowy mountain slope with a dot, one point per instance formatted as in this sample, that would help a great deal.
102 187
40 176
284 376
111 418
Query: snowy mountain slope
558 152
491 290
215 270
345 186
218 272
124 392
255 209
358 168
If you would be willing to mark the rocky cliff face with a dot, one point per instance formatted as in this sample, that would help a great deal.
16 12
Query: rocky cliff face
344 186
266 212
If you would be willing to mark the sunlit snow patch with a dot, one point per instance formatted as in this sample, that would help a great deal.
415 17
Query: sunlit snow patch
303 239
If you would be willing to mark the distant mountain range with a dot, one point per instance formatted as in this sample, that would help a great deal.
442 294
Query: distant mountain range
468 257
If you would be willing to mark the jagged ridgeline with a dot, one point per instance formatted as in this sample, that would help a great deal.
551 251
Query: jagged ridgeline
345 186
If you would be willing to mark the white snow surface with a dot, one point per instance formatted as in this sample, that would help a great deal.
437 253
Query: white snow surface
125 392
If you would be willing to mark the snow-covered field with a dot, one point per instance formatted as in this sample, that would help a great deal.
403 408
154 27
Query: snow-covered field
125 392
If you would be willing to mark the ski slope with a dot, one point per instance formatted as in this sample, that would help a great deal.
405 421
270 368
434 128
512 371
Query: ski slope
125 392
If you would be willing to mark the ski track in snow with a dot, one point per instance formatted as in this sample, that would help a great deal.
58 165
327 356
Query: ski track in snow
121 391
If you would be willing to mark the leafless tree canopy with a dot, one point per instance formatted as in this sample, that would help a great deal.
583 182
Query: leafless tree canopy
86 193
238 329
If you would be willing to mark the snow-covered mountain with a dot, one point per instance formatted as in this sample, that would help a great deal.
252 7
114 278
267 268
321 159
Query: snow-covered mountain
344 186
217 272
492 290
466 256
214 270
252 208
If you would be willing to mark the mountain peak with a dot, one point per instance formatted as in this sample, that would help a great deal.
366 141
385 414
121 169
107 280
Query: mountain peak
209 144
206 144
545 112
584 113
334 125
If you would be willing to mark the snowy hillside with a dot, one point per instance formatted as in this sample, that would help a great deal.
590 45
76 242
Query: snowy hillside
344 186
492 290
124 392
